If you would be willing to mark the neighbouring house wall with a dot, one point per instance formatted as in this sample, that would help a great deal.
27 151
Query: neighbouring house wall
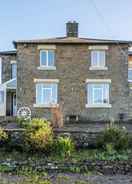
72 63
6 66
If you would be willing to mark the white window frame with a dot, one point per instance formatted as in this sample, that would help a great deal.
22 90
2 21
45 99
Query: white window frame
98 66
128 71
46 67
98 105
46 81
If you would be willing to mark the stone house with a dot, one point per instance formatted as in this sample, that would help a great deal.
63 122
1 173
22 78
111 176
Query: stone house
87 77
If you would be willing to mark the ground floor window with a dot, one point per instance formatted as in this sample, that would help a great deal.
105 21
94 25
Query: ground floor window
98 94
46 93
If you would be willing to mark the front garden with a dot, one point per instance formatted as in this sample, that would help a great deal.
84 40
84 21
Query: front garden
36 153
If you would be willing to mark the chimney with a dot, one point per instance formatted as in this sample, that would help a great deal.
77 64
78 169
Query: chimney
72 29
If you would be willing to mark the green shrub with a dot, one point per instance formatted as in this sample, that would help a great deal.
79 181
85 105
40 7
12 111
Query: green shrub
22 122
64 146
39 135
115 137
36 124
3 135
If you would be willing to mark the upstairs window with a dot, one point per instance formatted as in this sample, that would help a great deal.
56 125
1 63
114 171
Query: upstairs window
13 70
47 58
98 58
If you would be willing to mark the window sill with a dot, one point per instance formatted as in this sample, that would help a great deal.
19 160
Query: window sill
46 105
98 68
46 68
98 106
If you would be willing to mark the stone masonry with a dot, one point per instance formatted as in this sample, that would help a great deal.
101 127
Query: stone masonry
72 70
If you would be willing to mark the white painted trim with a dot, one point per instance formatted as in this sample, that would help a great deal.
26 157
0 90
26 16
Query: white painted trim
47 80
98 106
96 47
98 68
46 105
13 61
46 68
51 47
98 80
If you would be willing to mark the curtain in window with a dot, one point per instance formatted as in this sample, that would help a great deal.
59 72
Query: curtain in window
98 93
46 93
98 58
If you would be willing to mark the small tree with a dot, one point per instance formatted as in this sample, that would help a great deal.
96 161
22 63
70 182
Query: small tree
57 116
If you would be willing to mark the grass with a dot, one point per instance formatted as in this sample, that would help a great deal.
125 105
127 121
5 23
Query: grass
80 155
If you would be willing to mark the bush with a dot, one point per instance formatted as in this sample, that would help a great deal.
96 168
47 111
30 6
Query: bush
3 135
39 135
117 137
64 146
22 122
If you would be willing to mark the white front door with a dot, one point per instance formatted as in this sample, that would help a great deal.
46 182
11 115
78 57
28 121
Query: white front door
2 100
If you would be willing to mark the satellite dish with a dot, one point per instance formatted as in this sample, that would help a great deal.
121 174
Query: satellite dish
24 113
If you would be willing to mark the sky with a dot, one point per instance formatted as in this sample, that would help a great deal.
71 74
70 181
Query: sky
32 19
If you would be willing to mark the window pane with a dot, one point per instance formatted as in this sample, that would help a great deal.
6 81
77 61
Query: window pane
106 93
51 58
101 59
13 70
98 58
129 74
46 93
94 58
54 93
43 58
90 94
1 97
39 94
98 93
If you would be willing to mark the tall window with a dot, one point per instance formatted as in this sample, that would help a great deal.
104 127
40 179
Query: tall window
97 59
13 70
47 58
97 94
46 93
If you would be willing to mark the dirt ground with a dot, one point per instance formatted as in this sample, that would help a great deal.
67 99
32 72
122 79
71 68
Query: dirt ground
73 178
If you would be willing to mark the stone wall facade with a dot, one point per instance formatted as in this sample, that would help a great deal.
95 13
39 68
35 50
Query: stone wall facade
6 66
72 70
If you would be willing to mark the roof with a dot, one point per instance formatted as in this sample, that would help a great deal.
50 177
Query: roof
11 84
10 52
71 40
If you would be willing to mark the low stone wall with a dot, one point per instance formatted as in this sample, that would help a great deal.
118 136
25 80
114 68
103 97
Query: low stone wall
81 138
104 167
